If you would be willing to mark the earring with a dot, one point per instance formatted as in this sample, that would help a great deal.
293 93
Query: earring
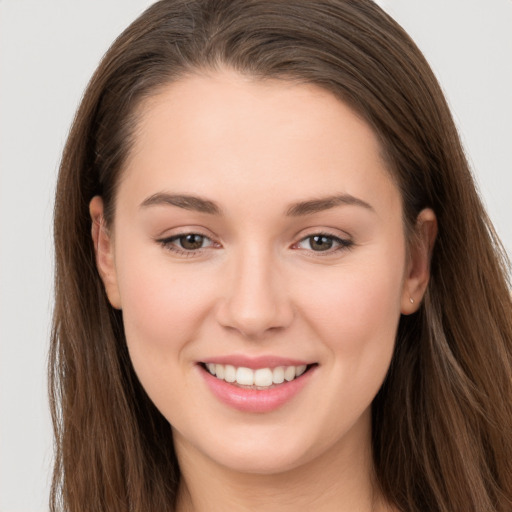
411 300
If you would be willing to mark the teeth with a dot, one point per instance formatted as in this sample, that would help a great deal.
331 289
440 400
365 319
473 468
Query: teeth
219 371
300 370
289 373
261 378
278 375
244 376
229 373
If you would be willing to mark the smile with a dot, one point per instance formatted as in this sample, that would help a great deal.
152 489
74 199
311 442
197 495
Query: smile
260 378
261 389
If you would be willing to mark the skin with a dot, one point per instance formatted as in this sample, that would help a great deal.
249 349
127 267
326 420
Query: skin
259 287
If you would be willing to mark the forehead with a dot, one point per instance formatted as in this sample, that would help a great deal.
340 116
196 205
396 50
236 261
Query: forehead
238 136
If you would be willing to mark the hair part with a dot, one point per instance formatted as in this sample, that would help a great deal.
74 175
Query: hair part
442 421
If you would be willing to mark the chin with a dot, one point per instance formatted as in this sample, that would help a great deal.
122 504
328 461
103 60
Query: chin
261 462
260 454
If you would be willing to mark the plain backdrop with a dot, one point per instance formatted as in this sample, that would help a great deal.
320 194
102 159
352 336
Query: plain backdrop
49 49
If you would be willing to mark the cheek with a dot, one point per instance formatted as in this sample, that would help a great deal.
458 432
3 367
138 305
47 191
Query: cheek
163 306
356 310
360 298
371 302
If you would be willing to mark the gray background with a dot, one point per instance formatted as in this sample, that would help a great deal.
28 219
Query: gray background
49 49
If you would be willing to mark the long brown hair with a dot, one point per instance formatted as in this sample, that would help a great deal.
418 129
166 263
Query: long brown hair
442 421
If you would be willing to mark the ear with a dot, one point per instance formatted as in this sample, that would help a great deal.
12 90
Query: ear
418 268
104 249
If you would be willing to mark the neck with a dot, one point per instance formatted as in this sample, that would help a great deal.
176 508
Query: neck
340 479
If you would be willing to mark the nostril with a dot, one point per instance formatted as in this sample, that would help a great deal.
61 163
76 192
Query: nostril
253 300
253 317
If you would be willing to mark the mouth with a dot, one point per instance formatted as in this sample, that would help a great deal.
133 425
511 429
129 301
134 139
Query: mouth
260 379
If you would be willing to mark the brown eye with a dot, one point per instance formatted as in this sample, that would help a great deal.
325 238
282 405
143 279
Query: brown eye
191 242
320 242
188 244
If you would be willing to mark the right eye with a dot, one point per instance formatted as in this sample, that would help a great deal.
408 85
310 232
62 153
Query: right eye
187 243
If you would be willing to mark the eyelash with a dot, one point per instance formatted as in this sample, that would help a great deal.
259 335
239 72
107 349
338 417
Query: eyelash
170 244
342 244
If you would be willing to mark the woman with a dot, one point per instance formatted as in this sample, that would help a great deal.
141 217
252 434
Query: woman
276 285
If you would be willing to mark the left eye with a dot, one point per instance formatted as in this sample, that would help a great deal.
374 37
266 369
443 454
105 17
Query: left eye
187 242
322 243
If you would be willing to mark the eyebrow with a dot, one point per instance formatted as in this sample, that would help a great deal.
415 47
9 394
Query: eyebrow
299 209
326 203
186 202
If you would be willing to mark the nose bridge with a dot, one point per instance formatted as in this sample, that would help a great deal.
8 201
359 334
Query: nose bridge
255 299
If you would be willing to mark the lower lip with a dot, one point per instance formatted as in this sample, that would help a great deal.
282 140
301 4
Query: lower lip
255 400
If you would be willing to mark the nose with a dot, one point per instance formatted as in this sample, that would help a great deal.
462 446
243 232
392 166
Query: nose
255 299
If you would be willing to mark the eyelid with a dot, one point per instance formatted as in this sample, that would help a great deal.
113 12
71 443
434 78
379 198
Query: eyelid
182 230
168 242
343 243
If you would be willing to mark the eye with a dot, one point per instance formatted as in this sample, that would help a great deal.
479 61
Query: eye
186 243
321 242
191 241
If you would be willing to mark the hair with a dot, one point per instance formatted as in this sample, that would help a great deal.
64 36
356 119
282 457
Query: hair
442 421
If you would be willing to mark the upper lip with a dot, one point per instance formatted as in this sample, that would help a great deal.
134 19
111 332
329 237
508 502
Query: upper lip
268 361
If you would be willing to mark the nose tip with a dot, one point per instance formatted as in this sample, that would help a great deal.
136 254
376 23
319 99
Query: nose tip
252 322
255 302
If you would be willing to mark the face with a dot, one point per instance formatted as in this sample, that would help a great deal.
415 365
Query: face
257 236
